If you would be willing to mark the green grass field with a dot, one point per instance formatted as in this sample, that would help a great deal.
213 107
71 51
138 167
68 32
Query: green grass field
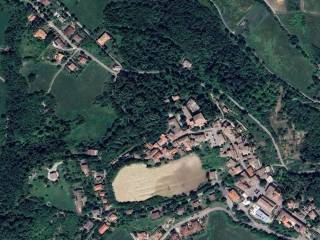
312 5
43 74
272 46
307 28
118 234
89 13
221 227
58 193
233 11
75 94
210 158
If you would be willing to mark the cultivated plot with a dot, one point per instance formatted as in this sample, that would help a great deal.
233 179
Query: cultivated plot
136 182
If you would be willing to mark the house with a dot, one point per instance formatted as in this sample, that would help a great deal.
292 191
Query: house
53 176
40 34
266 205
92 152
84 168
289 221
103 39
192 106
186 64
72 67
116 68
45 2
190 228
233 195
274 194
82 60
88 226
156 214
69 30
256 212
312 215
103 228
142 236
31 18
77 38
79 200
156 235
97 187
291 204
112 217
58 42
58 57
199 120
175 98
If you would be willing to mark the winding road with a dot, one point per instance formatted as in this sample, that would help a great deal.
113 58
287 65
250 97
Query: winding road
263 128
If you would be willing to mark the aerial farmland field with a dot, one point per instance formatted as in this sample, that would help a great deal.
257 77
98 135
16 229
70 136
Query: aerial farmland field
174 178
272 45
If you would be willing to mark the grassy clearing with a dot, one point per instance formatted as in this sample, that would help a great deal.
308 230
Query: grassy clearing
210 158
312 5
75 94
89 13
118 234
58 193
272 45
233 11
221 227
307 28
39 74
96 121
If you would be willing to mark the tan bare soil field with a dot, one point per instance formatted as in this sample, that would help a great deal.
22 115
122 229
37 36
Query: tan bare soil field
136 182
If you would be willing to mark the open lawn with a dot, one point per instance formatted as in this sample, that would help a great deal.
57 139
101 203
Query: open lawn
136 182
221 227
233 11
58 193
307 28
75 94
39 74
118 234
210 158
272 45
89 13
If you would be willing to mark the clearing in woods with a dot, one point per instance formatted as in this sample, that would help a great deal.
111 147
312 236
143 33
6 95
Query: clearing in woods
136 182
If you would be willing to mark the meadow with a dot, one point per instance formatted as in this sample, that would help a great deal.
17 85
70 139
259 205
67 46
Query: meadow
136 182
210 158
221 227
56 193
75 95
89 13
272 45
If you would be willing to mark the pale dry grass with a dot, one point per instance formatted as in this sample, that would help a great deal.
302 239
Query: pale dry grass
136 182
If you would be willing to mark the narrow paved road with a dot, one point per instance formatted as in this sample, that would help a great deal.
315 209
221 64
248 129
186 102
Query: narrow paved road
263 128
197 215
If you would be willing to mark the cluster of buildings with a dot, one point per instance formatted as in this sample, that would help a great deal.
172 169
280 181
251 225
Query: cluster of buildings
254 190
178 139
